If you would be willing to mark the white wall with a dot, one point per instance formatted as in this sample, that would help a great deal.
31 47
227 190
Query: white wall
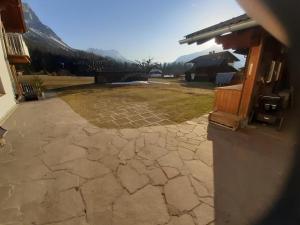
7 100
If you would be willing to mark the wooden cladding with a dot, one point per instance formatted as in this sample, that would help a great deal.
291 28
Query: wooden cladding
12 16
228 99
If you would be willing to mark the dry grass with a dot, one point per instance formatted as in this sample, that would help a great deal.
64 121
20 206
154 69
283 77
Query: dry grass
54 82
179 103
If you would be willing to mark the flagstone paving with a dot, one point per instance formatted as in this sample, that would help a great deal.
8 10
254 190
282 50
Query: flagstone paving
58 169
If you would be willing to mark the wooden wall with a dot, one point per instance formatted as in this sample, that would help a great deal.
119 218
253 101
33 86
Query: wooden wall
228 99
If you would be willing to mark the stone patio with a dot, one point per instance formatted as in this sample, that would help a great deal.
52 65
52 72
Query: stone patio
59 169
133 115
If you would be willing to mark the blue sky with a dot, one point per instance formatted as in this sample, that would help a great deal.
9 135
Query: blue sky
136 28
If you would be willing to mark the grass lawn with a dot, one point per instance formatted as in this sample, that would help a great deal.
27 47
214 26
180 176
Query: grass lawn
132 106
177 104
54 82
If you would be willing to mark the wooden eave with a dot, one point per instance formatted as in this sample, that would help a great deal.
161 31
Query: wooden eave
241 39
12 16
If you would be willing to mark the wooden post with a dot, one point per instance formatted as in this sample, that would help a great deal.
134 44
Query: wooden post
252 71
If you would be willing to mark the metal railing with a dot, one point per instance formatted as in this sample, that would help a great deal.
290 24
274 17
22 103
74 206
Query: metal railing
15 45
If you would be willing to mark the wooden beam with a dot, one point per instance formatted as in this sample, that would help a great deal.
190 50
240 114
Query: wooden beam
251 73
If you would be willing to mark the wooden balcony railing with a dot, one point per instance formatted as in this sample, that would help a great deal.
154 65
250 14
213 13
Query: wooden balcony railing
17 50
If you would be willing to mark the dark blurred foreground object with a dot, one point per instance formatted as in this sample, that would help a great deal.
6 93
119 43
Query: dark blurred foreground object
3 132
281 18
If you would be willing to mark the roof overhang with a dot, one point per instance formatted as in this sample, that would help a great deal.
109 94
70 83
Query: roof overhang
206 36
12 16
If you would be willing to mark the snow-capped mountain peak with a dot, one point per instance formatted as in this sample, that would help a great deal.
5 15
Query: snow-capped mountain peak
39 34
113 54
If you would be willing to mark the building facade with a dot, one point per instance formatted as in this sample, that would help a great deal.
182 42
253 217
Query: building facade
13 51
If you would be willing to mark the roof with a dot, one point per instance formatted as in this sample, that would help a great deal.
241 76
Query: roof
12 16
214 59
238 23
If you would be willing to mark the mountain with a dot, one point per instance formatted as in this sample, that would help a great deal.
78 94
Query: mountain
41 36
189 57
113 54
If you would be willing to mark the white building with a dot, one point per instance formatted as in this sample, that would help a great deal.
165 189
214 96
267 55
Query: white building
13 51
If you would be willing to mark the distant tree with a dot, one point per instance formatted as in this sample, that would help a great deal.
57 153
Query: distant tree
146 65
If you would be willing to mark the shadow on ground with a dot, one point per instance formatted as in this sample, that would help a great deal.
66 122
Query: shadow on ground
250 172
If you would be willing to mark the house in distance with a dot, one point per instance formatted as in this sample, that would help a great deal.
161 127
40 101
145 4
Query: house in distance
205 68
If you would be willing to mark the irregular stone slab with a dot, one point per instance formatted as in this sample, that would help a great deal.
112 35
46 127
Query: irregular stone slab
188 145
182 220
64 181
63 154
200 130
208 200
171 160
140 143
202 173
10 216
201 189
131 180
119 142
204 214
186 154
5 192
151 138
111 162
27 192
157 177
186 129
171 140
100 217
144 207
23 170
99 195
180 194
54 208
75 221
90 130
170 172
205 153
84 168
128 152
138 166
130 133
95 154
95 141
152 152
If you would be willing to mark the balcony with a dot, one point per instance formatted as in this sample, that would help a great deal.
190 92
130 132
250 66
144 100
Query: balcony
17 50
